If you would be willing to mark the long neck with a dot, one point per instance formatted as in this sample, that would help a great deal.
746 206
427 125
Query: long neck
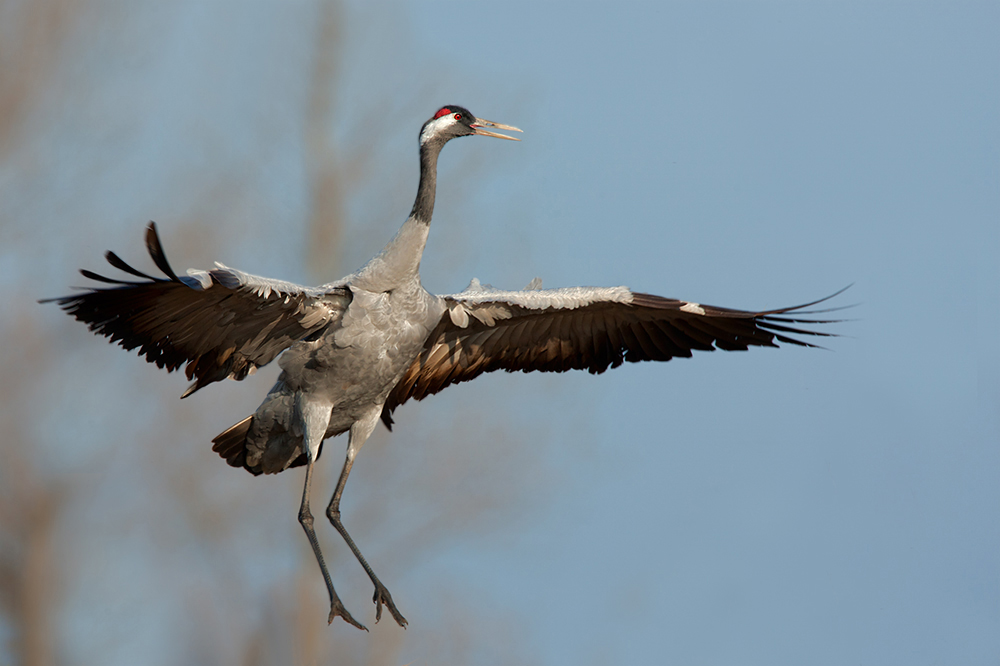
423 207
399 260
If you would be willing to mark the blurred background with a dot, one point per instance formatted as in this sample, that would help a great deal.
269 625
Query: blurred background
789 506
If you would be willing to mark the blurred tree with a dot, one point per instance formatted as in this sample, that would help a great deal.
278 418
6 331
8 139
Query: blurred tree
32 36
31 501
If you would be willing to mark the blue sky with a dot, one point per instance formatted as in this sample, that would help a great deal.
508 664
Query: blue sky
786 507
772 507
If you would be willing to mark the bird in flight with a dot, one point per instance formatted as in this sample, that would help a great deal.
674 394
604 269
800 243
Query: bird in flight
354 350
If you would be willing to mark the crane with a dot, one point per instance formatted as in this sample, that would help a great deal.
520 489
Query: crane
354 350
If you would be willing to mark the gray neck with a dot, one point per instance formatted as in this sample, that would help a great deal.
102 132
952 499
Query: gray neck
399 260
423 207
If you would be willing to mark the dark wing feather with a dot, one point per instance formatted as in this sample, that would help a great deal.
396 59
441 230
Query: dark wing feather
223 323
593 337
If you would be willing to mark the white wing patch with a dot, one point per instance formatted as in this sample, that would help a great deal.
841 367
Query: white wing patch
196 279
693 308
459 314
311 312
534 285
488 305
232 278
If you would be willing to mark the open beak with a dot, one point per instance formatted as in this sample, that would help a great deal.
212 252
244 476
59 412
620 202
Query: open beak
479 124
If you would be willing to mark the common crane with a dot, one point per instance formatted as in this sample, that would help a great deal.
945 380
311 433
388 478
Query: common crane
354 350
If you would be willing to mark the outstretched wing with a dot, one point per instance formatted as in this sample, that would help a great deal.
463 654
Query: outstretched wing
581 328
221 323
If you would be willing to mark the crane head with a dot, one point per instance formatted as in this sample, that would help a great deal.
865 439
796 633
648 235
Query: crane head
453 121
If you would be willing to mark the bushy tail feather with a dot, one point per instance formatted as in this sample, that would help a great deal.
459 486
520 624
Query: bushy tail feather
231 445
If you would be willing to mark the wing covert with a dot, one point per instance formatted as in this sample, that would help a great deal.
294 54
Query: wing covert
221 323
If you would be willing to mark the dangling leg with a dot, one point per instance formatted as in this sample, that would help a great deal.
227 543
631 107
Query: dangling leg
359 433
315 428
306 519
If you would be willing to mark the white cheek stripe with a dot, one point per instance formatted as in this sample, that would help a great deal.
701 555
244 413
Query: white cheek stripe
436 126
693 308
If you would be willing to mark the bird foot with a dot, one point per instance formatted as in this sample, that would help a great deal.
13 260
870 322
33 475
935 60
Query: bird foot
337 609
382 596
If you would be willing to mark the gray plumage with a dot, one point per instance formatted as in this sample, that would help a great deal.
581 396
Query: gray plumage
354 350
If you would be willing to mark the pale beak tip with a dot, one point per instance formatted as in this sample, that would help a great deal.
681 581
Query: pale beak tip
485 132
483 123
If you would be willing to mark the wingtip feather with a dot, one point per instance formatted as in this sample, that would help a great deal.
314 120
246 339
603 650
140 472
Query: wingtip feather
156 251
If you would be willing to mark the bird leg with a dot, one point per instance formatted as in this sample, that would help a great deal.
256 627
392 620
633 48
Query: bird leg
306 519
382 595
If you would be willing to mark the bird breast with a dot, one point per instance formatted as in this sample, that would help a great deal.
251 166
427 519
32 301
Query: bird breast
378 337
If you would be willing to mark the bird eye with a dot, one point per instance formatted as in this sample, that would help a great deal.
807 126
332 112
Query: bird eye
458 116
